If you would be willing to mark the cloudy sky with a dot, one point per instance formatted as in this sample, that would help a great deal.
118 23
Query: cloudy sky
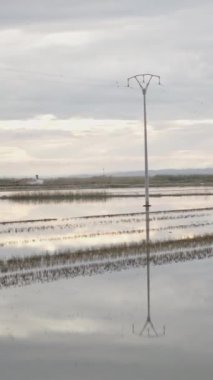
61 111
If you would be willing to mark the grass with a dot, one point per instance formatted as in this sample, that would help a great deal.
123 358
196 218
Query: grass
21 271
67 270
106 252
195 212
39 196
111 181
85 235
71 196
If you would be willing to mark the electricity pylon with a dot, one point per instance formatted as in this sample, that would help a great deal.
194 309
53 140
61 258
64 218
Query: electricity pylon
144 80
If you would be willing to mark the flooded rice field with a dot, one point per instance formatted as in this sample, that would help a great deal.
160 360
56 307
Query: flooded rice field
106 289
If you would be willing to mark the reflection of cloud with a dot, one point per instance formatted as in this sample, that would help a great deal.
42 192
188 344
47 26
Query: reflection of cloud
17 211
31 325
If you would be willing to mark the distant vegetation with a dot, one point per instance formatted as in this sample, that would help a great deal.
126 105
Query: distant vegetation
109 181
57 196
71 196
67 264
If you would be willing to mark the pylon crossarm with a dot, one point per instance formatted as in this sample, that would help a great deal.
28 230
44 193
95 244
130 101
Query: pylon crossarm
146 79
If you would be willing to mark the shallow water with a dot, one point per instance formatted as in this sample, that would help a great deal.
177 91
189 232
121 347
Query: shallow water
34 210
82 328
123 221
79 325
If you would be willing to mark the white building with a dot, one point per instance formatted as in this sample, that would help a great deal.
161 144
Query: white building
36 181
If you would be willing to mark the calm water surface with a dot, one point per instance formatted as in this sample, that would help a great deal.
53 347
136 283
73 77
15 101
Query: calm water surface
82 327
32 210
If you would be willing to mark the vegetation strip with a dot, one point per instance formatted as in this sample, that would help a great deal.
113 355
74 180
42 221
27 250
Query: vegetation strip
144 213
111 251
54 274
110 215
114 181
104 233
103 222
28 221
71 196
92 195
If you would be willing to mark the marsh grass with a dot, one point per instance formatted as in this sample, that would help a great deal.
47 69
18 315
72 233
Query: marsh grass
109 252
41 196
43 275
129 217
84 235
71 196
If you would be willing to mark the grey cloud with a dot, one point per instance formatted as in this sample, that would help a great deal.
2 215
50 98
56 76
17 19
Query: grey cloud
38 76
64 58
21 12
60 150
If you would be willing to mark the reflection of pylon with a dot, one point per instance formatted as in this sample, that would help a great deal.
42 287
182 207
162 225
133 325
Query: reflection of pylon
149 328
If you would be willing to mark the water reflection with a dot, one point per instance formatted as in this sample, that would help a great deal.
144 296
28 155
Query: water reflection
149 328
47 250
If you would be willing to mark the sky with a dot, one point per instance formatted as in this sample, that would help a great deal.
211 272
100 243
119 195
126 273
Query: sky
65 108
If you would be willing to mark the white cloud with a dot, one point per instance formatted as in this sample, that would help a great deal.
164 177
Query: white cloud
72 146
58 73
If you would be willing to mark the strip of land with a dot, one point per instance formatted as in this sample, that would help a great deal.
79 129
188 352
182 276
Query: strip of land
108 181
70 196
44 275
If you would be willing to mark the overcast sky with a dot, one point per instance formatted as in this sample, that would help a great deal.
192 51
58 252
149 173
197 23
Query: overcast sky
61 111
